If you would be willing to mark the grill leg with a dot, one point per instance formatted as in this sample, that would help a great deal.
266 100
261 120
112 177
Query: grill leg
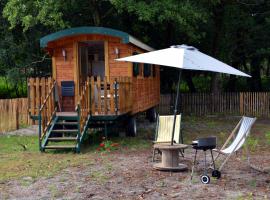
194 162
213 161
205 171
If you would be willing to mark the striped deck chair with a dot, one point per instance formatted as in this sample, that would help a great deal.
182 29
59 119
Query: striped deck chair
164 131
227 149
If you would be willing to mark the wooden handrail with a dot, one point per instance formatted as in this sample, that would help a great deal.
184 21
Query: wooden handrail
83 105
48 96
47 111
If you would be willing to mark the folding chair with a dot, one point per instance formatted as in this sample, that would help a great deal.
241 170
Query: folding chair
243 128
164 129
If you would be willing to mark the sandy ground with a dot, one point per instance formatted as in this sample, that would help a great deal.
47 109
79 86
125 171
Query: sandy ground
119 175
31 130
127 174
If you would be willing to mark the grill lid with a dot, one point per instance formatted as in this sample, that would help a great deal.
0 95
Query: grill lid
205 143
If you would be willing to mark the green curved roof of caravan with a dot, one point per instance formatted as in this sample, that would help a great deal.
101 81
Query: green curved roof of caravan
126 38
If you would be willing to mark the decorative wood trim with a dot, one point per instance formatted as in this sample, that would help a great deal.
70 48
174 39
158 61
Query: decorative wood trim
76 71
130 65
106 56
53 67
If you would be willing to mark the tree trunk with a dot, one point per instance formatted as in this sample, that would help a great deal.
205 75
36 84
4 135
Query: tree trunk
232 80
169 34
215 83
188 78
255 82
268 67
218 14
95 12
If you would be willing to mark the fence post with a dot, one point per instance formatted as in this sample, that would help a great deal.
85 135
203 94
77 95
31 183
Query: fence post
17 117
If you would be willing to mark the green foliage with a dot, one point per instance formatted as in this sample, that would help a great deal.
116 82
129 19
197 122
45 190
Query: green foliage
12 89
107 145
235 32
184 16
30 13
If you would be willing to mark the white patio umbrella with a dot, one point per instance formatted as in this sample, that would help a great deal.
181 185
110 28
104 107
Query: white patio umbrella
183 57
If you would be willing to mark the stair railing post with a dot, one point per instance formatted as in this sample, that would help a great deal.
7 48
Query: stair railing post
79 129
115 94
39 130
90 99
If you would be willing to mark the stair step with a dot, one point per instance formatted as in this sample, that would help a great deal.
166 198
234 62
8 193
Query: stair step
66 123
65 131
60 147
66 114
62 139
75 118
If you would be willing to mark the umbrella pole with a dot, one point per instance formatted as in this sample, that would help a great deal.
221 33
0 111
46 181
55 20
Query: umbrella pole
176 104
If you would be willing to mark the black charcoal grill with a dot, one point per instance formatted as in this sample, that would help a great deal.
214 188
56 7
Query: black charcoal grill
205 144
208 143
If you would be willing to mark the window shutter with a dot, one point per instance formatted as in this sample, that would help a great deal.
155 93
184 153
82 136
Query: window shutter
135 67
147 70
154 70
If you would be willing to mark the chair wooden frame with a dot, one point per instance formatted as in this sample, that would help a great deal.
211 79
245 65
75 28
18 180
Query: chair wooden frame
180 135
233 136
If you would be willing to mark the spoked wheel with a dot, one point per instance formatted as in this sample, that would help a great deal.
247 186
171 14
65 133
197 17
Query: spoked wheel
216 174
151 114
205 179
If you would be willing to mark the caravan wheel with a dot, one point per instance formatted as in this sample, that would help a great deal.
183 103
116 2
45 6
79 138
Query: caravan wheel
131 127
151 114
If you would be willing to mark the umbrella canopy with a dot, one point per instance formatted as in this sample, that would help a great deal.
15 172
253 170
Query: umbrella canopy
184 57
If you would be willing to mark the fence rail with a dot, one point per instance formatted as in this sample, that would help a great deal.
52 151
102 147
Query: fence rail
231 103
110 96
38 89
13 114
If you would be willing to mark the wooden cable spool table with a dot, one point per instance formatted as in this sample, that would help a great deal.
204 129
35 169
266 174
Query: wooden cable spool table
170 157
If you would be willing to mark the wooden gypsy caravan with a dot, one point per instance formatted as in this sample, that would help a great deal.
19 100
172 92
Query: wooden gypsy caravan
88 88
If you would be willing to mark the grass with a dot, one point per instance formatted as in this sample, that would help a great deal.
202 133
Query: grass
20 157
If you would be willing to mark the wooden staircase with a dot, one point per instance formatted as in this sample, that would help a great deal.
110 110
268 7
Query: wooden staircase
63 133
99 101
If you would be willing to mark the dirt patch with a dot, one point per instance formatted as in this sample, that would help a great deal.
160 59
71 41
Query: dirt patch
122 175
31 130
128 174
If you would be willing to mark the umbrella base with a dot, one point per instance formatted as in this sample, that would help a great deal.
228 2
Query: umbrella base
180 167
170 157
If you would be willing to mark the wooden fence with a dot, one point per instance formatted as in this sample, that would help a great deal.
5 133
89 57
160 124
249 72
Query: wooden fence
237 103
13 114
38 89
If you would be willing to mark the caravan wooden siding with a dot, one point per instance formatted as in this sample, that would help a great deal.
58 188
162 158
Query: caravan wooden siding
145 90
66 69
